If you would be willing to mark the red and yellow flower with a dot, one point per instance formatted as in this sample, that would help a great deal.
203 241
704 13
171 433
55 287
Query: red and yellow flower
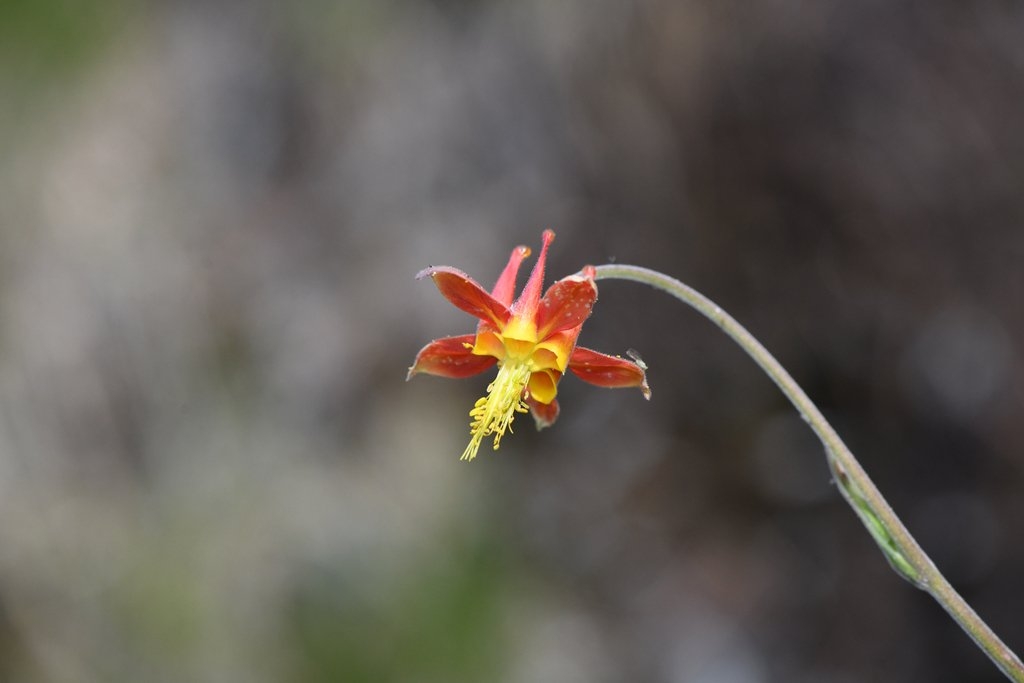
532 340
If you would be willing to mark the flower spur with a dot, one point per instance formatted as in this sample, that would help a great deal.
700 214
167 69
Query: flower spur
532 340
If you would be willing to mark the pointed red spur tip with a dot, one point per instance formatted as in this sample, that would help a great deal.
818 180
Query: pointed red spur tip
529 298
505 288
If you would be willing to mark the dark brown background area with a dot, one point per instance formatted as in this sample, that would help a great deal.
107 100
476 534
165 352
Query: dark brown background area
211 468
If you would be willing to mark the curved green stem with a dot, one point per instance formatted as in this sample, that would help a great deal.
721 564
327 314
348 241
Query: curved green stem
896 543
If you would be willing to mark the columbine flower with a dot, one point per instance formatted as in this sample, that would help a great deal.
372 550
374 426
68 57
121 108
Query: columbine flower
532 340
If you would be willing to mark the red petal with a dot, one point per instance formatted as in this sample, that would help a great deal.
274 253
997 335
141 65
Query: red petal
544 414
608 371
526 305
450 357
505 289
566 304
467 295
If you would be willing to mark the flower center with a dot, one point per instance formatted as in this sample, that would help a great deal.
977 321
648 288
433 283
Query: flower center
493 414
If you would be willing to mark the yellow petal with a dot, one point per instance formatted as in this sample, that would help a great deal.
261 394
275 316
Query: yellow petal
544 386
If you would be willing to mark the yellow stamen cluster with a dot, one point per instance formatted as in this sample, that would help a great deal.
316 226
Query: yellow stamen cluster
493 414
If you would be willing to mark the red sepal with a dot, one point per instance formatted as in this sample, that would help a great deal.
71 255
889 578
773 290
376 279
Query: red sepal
467 295
608 371
450 357
566 304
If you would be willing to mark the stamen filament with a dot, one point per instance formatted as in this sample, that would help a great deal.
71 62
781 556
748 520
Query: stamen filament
493 414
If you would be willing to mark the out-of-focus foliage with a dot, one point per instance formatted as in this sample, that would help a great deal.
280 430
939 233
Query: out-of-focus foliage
41 39
441 623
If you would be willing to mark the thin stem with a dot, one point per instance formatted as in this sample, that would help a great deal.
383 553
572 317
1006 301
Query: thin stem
895 541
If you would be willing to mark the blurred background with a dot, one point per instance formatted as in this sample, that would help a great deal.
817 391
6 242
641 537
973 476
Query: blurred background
211 213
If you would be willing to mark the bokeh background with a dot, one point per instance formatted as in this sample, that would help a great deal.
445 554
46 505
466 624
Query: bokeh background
211 212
